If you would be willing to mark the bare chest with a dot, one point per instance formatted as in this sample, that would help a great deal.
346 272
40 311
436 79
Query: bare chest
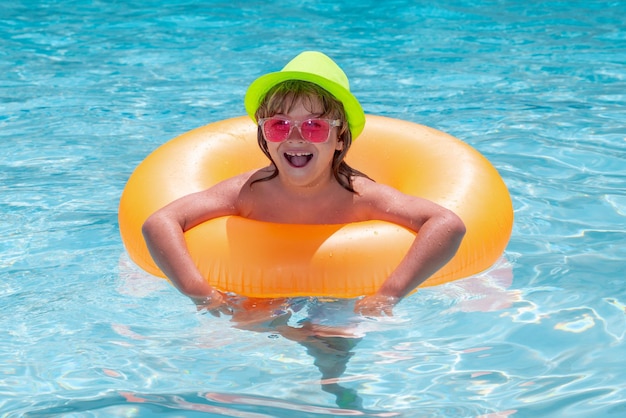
330 207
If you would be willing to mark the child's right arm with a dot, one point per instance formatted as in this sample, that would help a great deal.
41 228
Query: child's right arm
164 235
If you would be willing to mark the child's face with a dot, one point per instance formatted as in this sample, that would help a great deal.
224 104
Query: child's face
300 162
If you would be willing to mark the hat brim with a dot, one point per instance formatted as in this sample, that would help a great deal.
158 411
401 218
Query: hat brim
259 88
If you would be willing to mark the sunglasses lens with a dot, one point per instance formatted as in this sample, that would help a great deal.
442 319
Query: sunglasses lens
276 129
315 130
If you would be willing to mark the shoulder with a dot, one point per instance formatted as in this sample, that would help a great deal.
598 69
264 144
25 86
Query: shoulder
370 191
236 183
224 197
383 202
372 198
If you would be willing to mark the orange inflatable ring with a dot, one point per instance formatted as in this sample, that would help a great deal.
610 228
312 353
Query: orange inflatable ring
260 259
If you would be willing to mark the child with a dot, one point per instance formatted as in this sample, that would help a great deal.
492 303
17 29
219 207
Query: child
307 119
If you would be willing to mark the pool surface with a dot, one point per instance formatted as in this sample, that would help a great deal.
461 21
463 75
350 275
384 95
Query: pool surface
90 88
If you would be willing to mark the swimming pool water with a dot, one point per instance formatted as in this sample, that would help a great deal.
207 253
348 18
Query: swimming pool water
89 88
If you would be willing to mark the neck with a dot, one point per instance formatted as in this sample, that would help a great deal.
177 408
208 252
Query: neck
318 187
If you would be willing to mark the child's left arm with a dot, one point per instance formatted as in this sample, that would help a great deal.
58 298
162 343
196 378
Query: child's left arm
439 234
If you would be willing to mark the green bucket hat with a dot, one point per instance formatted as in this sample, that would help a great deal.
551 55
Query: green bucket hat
317 68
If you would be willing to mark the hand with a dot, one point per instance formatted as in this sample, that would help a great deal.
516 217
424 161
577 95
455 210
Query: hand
376 305
216 304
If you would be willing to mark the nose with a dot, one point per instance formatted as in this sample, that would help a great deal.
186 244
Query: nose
295 134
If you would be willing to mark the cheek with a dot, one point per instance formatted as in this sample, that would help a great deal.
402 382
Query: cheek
272 151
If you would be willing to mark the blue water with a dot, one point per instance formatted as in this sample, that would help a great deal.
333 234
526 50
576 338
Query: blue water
89 88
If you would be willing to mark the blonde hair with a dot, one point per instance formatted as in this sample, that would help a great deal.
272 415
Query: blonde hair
283 97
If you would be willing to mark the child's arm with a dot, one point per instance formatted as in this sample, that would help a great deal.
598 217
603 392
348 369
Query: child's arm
440 232
164 235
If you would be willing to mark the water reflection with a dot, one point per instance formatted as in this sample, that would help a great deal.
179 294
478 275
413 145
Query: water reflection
302 320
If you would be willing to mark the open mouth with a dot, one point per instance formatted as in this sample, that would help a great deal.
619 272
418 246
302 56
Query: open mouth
298 159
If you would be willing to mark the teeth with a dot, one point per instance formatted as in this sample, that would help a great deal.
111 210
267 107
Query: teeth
298 159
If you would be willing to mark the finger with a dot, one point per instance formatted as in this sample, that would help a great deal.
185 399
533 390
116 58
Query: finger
226 310
368 311
359 309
